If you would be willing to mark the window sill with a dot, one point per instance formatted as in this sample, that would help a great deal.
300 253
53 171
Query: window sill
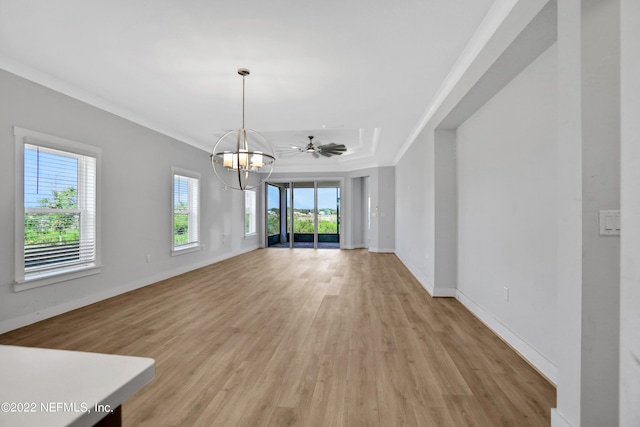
44 279
250 236
186 250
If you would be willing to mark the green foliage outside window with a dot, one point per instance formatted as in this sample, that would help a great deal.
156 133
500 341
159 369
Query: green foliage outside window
53 227
273 221
180 225
303 222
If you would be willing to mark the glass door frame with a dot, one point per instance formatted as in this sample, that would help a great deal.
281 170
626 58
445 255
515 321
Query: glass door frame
290 183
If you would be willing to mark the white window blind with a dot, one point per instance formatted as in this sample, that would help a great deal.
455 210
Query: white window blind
59 210
185 211
249 213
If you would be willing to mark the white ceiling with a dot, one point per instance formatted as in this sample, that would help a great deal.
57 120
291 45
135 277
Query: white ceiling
355 72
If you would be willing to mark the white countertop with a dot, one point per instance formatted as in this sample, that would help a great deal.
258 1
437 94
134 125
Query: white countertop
43 387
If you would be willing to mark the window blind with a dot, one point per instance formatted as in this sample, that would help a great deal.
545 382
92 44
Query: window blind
185 211
59 209
249 212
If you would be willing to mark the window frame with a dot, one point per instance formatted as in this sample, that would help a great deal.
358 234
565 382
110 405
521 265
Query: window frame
253 215
22 279
193 246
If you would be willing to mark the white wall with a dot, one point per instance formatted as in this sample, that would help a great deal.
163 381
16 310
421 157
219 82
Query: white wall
514 33
596 360
507 223
359 212
135 200
446 213
415 216
567 411
428 237
630 206
383 207
589 138
600 94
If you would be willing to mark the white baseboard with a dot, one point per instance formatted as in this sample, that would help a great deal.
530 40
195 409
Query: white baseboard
530 354
428 286
444 292
353 247
557 420
29 318
382 250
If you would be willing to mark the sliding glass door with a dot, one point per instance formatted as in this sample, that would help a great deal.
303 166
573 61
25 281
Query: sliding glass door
312 218
304 215
328 214
276 216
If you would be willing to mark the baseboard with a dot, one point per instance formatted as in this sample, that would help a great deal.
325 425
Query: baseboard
353 247
557 420
382 250
27 319
444 292
536 359
539 362
428 286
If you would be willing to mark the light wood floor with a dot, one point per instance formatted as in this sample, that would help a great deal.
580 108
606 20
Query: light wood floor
304 337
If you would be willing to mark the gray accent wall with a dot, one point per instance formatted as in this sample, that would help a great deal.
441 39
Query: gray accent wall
134 202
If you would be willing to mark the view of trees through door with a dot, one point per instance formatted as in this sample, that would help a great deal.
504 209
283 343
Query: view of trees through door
314 219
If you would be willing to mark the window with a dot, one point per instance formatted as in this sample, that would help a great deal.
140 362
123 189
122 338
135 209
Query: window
56 209
249 213
185 207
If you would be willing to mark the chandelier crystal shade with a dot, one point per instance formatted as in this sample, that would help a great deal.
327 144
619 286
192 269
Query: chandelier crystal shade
242 159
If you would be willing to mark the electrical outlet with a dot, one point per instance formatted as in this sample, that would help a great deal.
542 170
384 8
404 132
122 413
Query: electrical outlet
148 259
506 293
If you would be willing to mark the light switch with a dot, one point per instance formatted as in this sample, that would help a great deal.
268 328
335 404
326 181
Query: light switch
609 223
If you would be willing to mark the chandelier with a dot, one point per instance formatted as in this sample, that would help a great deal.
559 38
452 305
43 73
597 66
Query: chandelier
243 158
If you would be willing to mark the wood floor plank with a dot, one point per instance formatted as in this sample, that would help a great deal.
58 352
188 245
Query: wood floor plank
362 409
395 401
304 337
328 400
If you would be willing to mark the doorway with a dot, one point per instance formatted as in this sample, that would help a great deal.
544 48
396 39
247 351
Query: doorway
303 215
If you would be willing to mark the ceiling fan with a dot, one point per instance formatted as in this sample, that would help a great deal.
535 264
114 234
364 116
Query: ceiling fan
326 150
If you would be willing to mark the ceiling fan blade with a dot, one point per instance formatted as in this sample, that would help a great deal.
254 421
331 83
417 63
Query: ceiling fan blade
332 150
326 150
333 147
